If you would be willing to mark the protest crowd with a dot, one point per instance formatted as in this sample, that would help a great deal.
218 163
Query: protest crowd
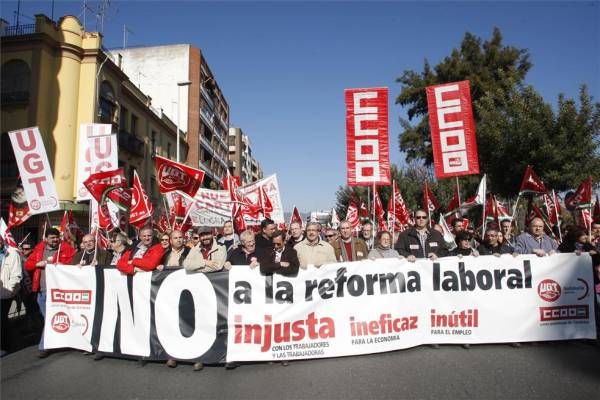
270 250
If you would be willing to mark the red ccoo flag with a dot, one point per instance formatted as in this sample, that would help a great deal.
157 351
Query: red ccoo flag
352 214
172 175
264 202
379 212
17 215
296 217
363 211
531 183
582 197
429 201
398 214
141 207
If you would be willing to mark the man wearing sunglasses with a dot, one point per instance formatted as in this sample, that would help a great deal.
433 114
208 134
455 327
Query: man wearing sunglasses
420 241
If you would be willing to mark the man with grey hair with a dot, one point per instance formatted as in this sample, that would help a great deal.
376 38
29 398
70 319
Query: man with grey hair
90 254
245 254
313 250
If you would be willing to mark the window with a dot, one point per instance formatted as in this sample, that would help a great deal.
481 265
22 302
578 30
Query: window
169 151
153 142
123 119
15 81
107 103
134 123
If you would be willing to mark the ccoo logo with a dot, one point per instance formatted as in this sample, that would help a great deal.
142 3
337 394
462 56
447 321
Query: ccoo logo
549 290
60 322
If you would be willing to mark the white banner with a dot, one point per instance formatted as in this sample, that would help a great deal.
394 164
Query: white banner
213 207
375 306
70 306
98 151
35 170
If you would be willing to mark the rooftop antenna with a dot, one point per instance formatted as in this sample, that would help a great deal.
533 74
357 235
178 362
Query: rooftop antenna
102 9
140 74
126 30
84 12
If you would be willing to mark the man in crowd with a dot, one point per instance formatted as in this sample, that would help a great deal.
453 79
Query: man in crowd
296 234
118 245
90 254
10 277
348 248
366 234
282 259
491 246
507 232
229 238
245 254
208 255
331 235
145 255
535 241
194 239
458 225
595 239
263 239
177 252
420 241
312 250
463 245
49 251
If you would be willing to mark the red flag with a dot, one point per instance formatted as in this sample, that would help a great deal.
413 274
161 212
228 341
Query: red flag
531 183
228 177
398 214
238 218
368 161
584 218
296 217
597 210
452 129
551 204
352 214
379 212
104 220
491 212
17 214
101 183
242 204
582 197
172 175
363 211
6 235
533 211
429 201
502 211
264 202
162 225
141 207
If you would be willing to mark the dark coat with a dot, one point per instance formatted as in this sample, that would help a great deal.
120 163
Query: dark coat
266 258
103 257
409 244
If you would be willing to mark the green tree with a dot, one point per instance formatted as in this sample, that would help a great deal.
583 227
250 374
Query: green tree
514 125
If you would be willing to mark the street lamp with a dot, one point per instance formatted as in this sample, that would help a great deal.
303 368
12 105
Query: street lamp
179 85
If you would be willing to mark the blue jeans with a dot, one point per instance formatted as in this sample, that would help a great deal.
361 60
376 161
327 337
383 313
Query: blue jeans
41 300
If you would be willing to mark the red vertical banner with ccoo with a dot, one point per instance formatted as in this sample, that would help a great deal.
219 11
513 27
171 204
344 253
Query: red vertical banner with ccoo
452 130
368 155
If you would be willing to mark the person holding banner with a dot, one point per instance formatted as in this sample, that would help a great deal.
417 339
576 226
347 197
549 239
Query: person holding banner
208 255
383 247
118 245
535 241
492 246
229 238
463 245
420 241
90 254
313 250
10 277
282 259
145 255
348 248
245 254
366 234
176 254
49 251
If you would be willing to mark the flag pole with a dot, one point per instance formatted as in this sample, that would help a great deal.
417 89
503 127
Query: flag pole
373 211
555 201
484 204
458 192
24 239
512 218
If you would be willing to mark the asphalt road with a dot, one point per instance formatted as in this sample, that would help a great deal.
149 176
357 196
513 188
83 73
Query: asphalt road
543 371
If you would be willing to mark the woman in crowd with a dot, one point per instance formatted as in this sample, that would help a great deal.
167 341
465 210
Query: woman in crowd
383 247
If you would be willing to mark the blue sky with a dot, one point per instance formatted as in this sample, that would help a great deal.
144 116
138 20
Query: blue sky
283 66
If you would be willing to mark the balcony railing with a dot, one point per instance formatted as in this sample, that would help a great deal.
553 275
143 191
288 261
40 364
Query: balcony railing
18 30
131 143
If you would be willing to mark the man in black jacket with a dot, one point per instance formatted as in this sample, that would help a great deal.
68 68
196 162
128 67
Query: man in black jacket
280 259
420 241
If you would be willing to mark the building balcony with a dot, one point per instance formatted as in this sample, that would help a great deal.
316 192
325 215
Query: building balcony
206 96
131 143
19 30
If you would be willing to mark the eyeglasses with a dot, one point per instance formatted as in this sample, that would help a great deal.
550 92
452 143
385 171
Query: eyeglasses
330 236
196 237
421 217
26 248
